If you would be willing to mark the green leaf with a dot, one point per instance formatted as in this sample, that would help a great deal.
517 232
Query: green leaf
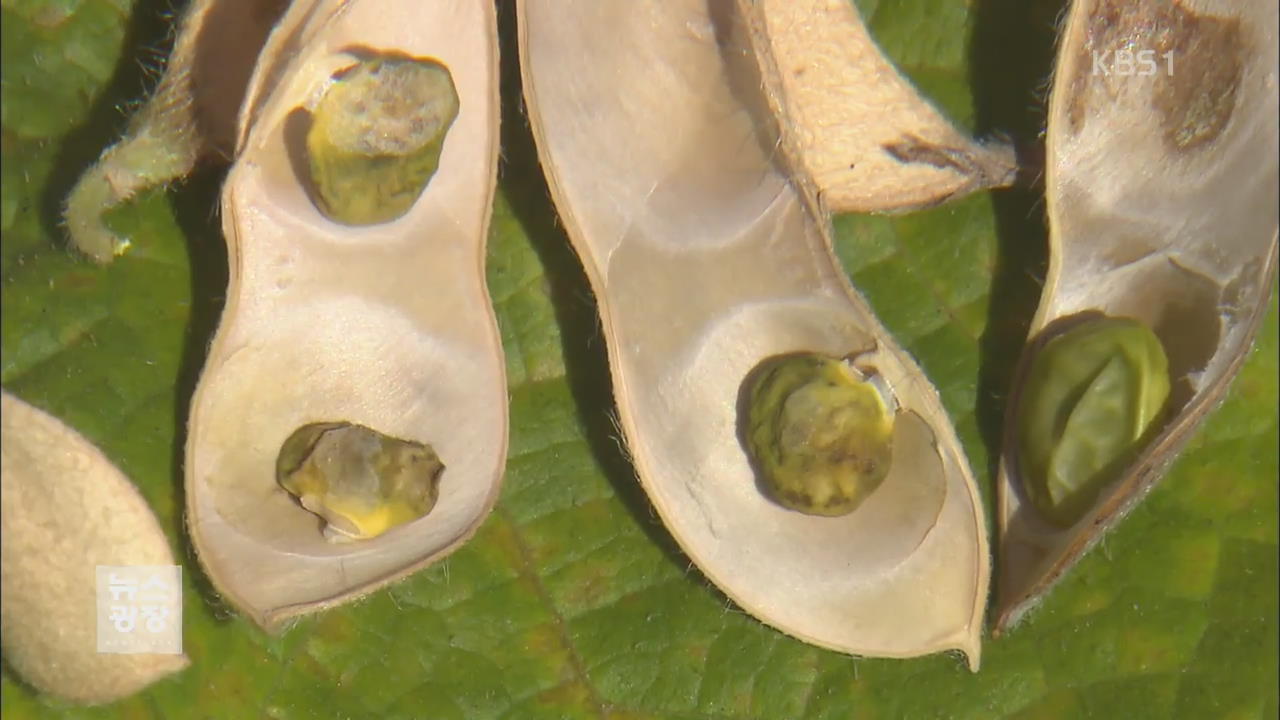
573 601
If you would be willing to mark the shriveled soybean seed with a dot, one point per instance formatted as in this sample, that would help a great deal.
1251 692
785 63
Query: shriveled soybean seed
1092 394
363 483
820 434
376 137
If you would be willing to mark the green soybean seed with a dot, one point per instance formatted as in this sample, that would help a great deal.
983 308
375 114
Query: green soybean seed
376 136
1092 394
819 433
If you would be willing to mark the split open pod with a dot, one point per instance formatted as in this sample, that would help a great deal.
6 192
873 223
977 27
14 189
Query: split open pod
733 335
1161 197
350 424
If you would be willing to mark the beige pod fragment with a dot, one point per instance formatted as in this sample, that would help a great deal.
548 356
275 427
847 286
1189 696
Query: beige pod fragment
65 509
851 122
706 260
386 326
1161 197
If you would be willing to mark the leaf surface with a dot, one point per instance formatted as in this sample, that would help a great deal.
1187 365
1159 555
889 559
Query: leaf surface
573 601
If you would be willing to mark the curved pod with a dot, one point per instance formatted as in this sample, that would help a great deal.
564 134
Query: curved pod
1161 187
851 122
67 510
387 326
707 260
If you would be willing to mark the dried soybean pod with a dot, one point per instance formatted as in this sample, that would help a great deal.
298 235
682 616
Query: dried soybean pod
708 261
851 122
1161 190
65 510
387 327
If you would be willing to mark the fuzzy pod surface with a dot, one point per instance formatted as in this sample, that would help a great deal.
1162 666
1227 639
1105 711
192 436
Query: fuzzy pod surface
64 510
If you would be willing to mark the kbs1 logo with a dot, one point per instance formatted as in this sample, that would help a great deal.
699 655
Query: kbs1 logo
1128 63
